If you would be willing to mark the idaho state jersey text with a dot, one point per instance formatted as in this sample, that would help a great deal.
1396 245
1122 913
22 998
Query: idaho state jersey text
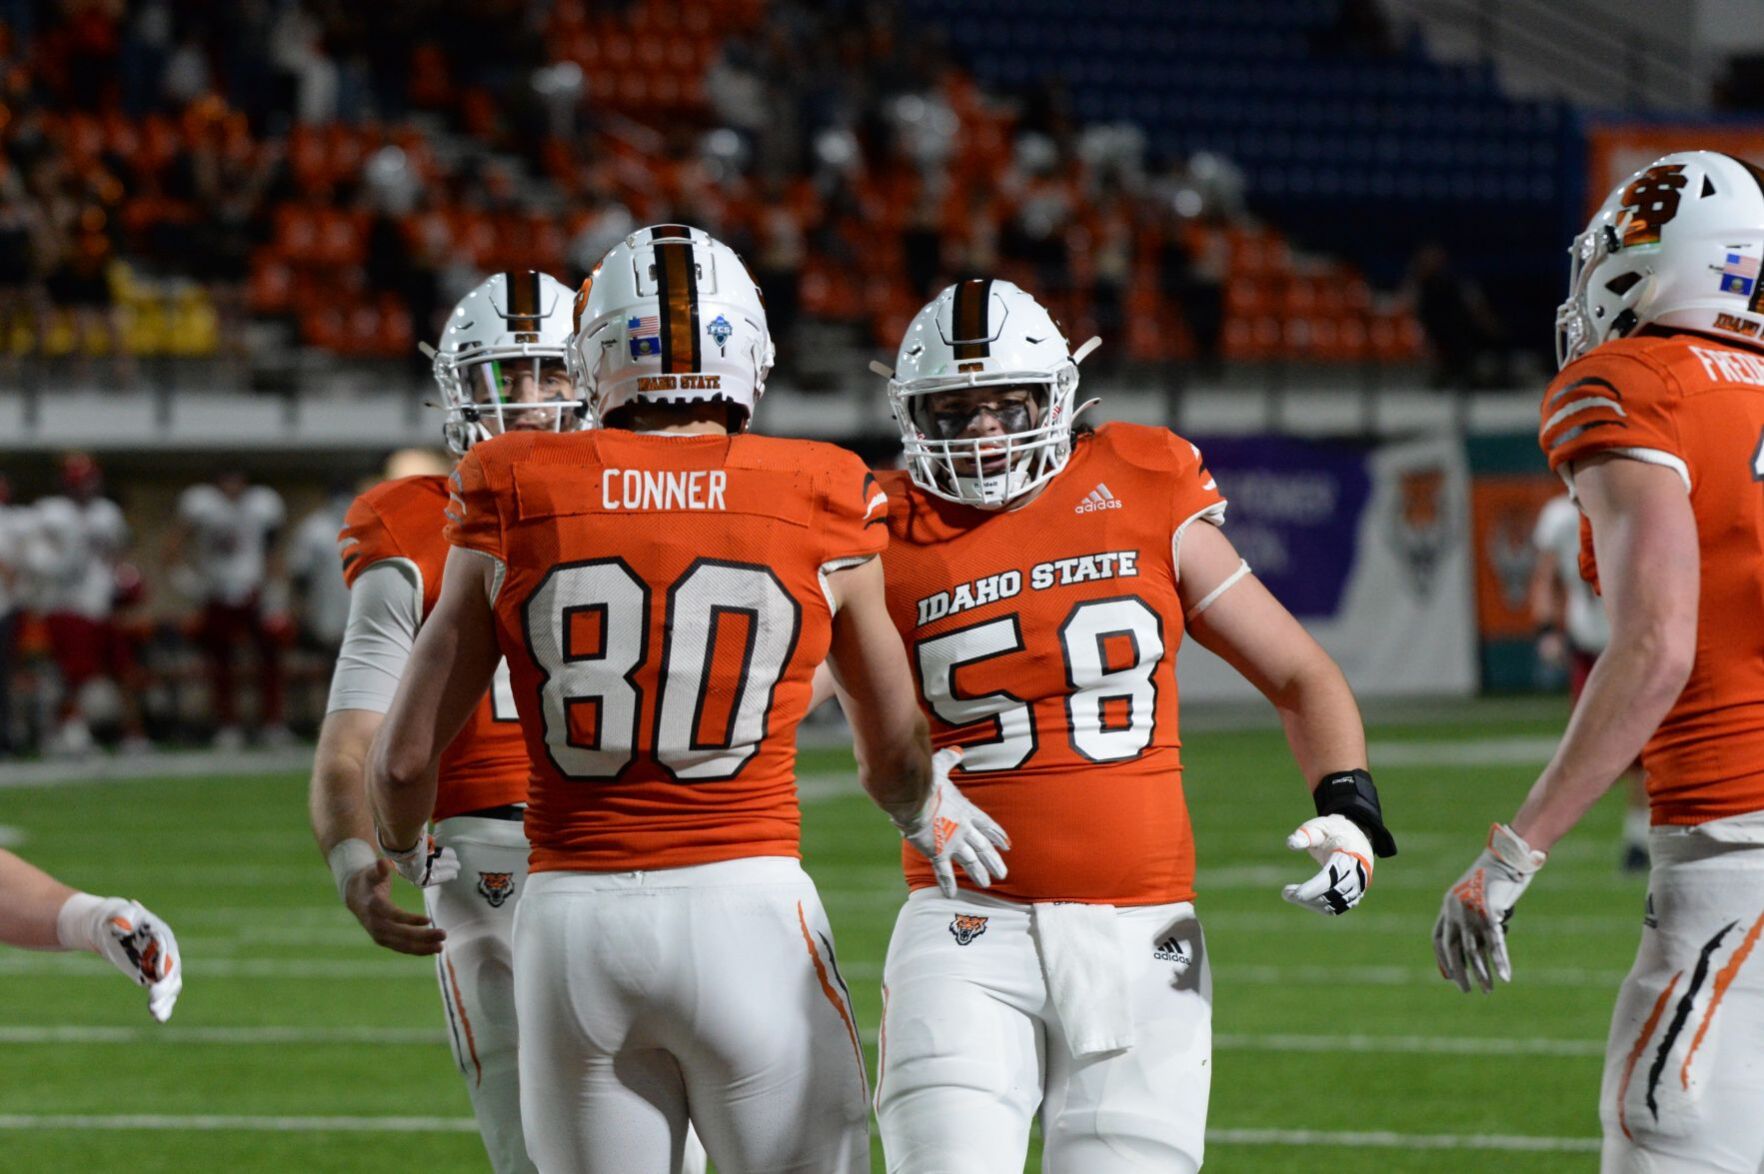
662 609
1694 405
486 764
1044 642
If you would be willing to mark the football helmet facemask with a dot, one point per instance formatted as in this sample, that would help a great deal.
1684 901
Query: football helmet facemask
985 335
501 364
671 315
1677 244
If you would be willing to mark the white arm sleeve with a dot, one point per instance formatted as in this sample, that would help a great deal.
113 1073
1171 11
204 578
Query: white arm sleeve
385 608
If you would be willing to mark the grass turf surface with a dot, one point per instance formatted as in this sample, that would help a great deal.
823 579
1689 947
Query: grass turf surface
1337 1026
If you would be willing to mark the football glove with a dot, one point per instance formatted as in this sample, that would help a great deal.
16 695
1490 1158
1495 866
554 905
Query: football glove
425 863
130 938
1337 843
950 830
1470 936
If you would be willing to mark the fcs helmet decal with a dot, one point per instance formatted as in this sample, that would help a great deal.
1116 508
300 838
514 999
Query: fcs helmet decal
1678 244
512 323
670 315
985 333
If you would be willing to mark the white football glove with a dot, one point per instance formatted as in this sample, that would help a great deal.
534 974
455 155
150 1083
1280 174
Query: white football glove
1337 843
1471 933
425 863
132 939
950 830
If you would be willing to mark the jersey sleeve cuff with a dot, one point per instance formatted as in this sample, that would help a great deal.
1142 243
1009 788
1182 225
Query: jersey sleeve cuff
1647 456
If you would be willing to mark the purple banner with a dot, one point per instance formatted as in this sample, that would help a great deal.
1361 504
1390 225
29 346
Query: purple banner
1295 513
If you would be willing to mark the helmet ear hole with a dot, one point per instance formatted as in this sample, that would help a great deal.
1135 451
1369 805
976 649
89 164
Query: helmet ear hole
1623 283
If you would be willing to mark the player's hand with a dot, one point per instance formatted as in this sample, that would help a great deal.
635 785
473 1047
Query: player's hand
1337 843
141 945
425 863
1470 936
368 893
950 830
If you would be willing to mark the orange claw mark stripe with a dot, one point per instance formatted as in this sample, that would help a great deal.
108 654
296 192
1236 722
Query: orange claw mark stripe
1641 1043
1723 979
459 1005
1472 893
827 988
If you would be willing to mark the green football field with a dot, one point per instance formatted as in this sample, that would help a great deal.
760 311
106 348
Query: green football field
299 1046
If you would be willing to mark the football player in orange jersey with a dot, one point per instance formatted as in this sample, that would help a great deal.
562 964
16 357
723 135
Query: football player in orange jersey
1043 578
663 589
1656 424
503 349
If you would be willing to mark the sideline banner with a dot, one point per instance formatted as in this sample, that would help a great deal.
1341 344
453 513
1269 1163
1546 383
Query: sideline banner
1510 484
1370 548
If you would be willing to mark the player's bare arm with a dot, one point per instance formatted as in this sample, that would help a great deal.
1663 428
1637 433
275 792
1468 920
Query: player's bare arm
1645 543
38 912
1252 632
1645 539
450 668
337 802
891 739
1234 616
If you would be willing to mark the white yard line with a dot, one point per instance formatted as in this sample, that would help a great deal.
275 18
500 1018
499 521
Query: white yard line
62 1034
153 1121
1227 1137
1530 750
1381 1140
1424 1045
183 764
87 966
236 1036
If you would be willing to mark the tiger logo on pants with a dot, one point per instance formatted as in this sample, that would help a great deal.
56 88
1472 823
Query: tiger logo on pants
496 887
965 927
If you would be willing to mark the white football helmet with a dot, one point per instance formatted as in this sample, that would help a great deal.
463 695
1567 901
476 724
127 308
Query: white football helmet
670 315
513 323
1678 244
985 333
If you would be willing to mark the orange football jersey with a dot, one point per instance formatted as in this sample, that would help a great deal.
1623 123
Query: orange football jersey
1044 643
662 609
486 764
1696 405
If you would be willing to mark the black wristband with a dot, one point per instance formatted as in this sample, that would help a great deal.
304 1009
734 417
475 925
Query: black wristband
1352 793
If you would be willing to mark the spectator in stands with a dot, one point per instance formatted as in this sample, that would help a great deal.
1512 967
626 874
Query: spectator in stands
321 596
22 296
78 283
223 549
1466 339
80 536
12 540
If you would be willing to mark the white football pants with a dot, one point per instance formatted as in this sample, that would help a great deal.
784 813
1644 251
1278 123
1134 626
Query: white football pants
708 994
972 1046
476 969
1683 1089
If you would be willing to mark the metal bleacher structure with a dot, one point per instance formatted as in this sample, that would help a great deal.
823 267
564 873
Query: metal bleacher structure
1313 337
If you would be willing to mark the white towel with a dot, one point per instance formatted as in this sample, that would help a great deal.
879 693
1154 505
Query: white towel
1086 970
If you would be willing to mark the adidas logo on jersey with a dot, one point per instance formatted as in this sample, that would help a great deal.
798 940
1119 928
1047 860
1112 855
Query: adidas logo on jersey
1097 499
